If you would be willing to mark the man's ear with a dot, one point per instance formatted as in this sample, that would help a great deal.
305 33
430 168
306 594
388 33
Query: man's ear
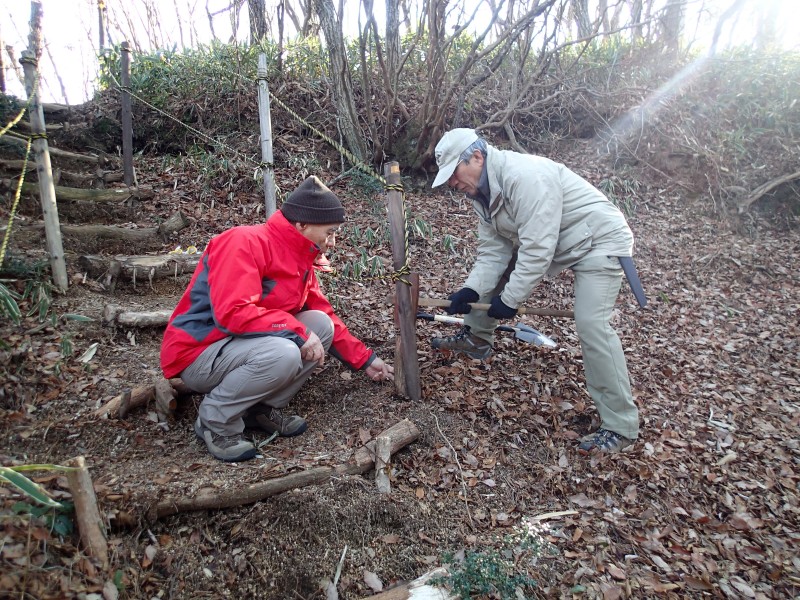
478 156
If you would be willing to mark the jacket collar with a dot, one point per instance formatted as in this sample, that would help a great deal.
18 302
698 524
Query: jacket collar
289 236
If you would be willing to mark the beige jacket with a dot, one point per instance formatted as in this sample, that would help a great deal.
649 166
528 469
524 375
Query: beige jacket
550 215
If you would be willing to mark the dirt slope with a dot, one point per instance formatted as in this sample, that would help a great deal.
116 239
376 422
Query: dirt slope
705 505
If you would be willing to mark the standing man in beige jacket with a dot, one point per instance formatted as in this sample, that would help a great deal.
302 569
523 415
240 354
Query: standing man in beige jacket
537 218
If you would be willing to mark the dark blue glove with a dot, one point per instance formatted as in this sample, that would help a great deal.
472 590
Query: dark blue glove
499 310
459 301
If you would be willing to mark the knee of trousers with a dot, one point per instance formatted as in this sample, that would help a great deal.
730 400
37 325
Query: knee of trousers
279 362
593 329
320 323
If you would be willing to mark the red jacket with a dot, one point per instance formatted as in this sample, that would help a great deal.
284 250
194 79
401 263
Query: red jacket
250 281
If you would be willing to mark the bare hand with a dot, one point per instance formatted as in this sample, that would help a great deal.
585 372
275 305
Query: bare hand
380 371
313 350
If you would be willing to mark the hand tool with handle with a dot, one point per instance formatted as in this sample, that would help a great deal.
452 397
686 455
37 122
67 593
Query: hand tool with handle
522 310
521 331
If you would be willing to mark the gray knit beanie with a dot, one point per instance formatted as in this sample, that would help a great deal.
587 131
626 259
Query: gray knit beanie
312 202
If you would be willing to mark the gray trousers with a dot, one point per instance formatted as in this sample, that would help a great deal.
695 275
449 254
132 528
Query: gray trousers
237 373
597 284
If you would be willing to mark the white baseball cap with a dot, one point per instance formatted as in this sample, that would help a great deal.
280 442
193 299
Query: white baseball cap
448 152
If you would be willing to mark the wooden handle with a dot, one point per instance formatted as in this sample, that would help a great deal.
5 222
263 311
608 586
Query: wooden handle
522 310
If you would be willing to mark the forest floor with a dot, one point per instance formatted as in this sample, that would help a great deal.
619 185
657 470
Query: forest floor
705 504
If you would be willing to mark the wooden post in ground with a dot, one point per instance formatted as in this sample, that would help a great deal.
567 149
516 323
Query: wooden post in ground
29 60
406 365
127 118
264 118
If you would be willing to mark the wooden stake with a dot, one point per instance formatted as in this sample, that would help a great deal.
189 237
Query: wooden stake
407 381
265 121
29 60
90 525
127 117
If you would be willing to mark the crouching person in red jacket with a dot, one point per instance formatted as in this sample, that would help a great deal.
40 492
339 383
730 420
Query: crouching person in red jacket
253 324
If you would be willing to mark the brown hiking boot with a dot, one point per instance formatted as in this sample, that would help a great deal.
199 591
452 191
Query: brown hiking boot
604 440
464 342
229 448
272 420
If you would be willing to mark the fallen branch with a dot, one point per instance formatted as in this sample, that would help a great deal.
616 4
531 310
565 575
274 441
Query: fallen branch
765 189
119 405
90 524
401 434
116 315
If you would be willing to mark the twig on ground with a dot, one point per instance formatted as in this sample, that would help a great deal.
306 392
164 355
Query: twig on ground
460 470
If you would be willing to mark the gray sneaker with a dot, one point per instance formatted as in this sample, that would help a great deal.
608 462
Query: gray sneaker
271 420
230 448
604 440
466 343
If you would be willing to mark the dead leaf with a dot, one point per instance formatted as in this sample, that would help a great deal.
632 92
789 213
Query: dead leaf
612 592
110 591
616 572
583 501
373 581
742 586
364 435
698 584
744 521
428 539
149 555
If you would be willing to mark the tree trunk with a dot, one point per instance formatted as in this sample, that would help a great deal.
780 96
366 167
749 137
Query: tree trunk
257 11
672 25
580 14
341 79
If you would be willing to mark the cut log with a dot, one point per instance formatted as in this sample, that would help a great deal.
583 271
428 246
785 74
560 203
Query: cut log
93 158
54 111
119 405
401 434
92 233
116 315
90 524
383 454
82 178
419 589
166 399
98 177
138 268
23 128
87 195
